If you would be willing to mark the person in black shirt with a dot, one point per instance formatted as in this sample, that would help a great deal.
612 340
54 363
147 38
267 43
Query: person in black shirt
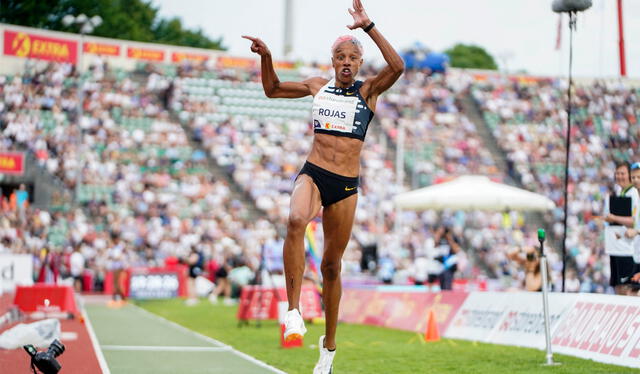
448 248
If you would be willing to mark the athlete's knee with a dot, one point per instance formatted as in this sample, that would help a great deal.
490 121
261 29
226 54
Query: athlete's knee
297 222
331 269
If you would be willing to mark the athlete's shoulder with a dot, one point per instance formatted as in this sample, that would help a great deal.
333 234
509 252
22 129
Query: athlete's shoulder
315 84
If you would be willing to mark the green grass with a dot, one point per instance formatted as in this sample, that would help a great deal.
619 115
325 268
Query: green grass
366 349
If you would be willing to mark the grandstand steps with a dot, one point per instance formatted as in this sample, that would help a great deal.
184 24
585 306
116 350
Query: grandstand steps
141 75
473 112
219 173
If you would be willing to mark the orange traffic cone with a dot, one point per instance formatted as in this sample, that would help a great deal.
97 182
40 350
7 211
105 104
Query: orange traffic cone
432 334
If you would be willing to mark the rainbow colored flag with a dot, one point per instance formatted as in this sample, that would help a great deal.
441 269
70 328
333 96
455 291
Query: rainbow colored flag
312 253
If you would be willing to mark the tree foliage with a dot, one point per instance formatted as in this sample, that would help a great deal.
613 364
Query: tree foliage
121 19
470 56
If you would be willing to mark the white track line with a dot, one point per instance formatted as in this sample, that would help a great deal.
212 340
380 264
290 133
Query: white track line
94 341
160 348
210 340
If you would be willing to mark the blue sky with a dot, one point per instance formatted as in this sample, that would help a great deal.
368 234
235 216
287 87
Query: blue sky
521 34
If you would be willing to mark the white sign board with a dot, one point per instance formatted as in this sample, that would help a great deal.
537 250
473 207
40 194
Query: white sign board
15 270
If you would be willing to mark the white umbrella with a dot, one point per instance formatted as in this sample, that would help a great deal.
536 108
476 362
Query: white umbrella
472 192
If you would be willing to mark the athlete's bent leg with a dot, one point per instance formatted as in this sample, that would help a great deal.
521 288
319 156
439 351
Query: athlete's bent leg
305 204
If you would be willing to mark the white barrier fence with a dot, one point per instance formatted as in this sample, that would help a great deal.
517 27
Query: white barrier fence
15 270
604 328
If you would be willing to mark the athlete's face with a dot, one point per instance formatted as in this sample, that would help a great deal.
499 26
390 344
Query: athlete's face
346 62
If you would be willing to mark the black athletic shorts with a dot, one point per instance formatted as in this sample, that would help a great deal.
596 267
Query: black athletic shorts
333 187
622 269
221 273
195 271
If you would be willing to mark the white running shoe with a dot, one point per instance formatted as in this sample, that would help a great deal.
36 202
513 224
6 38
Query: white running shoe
293 326
325 363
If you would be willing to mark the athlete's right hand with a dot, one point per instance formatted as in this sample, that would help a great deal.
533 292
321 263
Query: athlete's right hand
258 46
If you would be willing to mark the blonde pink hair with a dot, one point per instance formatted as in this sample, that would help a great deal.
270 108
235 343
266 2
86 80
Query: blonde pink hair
347 38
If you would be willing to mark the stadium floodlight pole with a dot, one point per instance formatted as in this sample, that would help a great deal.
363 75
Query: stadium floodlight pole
572 7
288 28
545 298
399 181
87 25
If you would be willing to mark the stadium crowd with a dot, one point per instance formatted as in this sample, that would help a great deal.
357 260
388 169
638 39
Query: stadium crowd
528 117
145 194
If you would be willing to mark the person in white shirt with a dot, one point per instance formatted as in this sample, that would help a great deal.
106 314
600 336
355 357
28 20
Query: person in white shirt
77 268
622 266
634 233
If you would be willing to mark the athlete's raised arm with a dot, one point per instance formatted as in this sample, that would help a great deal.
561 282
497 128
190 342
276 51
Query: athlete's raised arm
395 66
270 82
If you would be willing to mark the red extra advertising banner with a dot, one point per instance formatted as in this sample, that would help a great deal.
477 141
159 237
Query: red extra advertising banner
12 163
180 56
400 310
145 54
101 49
28 45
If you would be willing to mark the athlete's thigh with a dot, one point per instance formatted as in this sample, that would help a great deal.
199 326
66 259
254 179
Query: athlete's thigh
337 222
305 199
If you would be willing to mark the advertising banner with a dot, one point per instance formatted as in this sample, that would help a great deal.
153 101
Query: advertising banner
29 45
261 303
512 318
236 62
145 54
400 309
156 285
180 56
604 328
12 163
104 49
15 270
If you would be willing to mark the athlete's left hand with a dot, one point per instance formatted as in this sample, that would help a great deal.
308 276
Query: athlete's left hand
360 17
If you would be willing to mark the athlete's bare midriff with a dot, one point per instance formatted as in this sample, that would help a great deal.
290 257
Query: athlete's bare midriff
337 154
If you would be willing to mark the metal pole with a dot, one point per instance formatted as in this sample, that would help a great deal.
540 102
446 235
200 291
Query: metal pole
399 179
79 116
623 59
545 299
288 28
572 23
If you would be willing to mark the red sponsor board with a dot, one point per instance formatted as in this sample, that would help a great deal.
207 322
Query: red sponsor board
258 302
145 54
12 163
45 297
28 45
101 49
400 310
180 56
236 62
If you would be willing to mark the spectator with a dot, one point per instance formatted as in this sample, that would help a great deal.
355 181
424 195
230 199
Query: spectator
195 261
622 267
77 266
448 248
